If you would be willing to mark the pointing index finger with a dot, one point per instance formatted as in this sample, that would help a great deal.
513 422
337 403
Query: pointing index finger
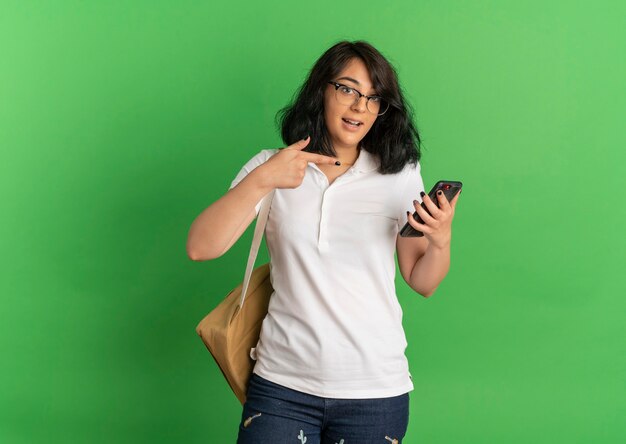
320 159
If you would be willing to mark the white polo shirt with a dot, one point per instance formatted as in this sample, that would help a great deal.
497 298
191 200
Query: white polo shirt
334 324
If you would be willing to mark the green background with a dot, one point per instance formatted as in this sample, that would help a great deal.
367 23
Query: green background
121 121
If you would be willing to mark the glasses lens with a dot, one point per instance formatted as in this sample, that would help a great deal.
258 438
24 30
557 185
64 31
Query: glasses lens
373 105
345 95
380 106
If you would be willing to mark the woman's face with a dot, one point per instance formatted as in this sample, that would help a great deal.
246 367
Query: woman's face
344 136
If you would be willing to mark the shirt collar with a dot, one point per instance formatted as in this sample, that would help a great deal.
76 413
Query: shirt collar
366 162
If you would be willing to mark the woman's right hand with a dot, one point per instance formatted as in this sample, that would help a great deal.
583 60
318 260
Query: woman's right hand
219 226
287 167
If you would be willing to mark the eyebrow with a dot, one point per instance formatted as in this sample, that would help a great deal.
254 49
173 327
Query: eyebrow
350 79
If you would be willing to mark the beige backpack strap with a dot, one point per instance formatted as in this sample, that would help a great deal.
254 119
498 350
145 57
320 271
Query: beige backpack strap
256 241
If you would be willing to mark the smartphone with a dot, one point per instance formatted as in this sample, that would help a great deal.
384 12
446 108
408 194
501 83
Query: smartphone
449 187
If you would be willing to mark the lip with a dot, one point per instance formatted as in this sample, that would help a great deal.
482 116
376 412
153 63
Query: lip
354 120
353 129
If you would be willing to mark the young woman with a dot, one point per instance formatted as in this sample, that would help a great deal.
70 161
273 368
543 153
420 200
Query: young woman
330 363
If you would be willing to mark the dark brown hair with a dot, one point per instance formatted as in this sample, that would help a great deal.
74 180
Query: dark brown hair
393 137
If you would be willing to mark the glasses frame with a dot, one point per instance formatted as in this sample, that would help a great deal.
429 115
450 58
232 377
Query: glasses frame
360 94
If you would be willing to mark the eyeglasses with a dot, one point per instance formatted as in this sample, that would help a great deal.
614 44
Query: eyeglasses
347 95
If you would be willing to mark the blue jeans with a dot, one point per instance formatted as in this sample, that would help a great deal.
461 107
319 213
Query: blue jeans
276 414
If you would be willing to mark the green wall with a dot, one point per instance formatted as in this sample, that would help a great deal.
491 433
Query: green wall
120 121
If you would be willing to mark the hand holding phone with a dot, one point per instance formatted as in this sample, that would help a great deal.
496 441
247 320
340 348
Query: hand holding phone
450 189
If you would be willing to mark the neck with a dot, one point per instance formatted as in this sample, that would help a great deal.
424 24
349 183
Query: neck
347 156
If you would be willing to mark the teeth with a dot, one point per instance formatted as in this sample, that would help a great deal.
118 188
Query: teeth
352 122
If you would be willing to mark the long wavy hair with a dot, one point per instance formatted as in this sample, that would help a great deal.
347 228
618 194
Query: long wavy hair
393 138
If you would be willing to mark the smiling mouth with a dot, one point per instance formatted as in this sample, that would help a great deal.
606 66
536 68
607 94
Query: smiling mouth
352 123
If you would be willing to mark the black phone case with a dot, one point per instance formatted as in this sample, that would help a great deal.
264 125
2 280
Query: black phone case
449 187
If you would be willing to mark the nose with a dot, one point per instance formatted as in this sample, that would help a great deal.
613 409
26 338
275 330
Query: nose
356 106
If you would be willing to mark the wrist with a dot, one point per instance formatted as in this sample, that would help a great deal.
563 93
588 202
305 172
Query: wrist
261 180
440 246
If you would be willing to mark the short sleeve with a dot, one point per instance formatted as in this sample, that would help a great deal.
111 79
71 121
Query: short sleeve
256 161
410 190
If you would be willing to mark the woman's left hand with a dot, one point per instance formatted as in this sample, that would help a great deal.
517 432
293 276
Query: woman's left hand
438 227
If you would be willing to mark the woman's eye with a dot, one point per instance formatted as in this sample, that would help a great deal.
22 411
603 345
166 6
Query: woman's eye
375 99
345 90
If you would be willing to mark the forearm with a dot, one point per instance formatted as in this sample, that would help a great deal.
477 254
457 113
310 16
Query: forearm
430 269
219 226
